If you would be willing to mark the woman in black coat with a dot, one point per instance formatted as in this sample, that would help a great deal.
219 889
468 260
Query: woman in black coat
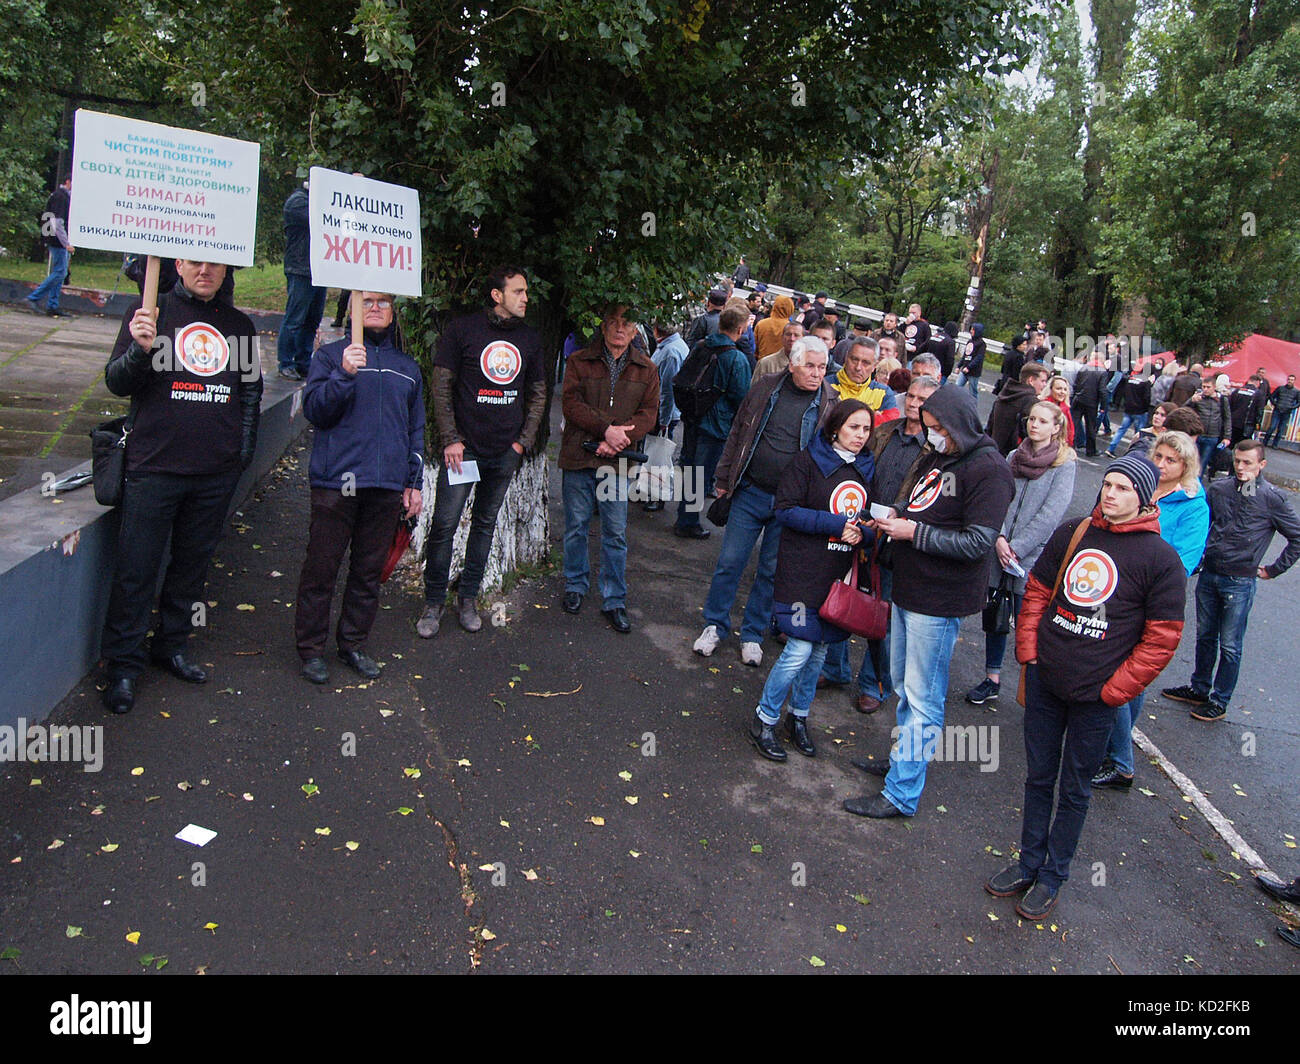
822 495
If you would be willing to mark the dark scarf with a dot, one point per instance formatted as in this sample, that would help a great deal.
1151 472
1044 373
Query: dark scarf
1026 464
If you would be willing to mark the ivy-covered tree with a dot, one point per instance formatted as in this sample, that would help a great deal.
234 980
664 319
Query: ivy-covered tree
1206 194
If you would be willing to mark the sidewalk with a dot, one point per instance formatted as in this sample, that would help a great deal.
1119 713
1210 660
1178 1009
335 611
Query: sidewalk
522 755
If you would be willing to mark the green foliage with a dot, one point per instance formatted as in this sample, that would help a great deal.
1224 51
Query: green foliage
1204 216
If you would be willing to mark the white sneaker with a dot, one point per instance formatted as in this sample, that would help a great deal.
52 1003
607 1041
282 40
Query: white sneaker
708 641
751 653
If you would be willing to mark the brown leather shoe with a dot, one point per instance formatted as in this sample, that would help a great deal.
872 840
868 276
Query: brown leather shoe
866 703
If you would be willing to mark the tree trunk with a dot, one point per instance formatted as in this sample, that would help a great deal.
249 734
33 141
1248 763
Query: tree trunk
522 534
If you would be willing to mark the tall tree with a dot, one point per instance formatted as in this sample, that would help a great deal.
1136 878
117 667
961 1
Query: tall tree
1204 215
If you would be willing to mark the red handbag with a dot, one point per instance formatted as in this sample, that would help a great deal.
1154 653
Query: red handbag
864 613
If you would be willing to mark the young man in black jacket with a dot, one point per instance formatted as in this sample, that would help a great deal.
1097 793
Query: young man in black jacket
1244 513
942 541
192 370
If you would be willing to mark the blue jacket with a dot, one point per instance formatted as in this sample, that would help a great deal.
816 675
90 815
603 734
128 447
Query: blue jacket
668 358
1185 525
733 376
369 425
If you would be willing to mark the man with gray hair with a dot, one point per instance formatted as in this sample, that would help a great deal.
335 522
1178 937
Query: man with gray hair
898 447
926 365
775 422
779 361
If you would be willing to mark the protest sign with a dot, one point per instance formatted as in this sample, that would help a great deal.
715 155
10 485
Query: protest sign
149 189
365 234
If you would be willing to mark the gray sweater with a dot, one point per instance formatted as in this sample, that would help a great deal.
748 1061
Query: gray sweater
1037 508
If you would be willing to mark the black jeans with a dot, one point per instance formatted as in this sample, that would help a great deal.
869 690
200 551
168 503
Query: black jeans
495 474
189 509
1069 739
366 520
1085 428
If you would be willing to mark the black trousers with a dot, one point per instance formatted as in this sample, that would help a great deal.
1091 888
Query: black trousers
1085 428
367 520
189 509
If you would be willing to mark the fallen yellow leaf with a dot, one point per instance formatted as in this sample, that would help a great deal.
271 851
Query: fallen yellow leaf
631 799
529 874
133 937
137 771
246 607
108 847
322 831
488 936
210 926
599 821
352 846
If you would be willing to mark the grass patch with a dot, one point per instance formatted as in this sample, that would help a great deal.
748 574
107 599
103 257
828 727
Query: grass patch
259 287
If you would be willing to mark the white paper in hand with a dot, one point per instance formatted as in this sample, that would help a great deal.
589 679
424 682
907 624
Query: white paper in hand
468 473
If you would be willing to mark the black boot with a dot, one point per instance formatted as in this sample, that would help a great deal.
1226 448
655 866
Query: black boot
764 738
797 729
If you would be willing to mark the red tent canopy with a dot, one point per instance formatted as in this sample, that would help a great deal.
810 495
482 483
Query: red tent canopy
1278 357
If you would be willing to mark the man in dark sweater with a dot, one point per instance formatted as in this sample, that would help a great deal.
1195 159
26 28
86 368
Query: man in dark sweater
942 541
1090 641
1285 400
306 302
489 397
192 370
1089 387
54 232
1011 407
1244 513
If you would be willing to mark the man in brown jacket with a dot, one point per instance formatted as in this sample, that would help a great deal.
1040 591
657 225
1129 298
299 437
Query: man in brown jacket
610 400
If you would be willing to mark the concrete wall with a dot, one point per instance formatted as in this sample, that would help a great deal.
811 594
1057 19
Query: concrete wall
56 567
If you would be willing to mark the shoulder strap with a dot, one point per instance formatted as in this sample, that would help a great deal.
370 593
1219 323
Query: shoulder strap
1069 551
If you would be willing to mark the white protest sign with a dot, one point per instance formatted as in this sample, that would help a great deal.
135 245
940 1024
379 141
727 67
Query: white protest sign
365 234
147 189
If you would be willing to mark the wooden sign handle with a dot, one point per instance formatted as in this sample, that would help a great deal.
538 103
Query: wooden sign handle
358 317
151 283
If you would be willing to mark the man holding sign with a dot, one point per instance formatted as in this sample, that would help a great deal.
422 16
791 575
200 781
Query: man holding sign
366 400
192 370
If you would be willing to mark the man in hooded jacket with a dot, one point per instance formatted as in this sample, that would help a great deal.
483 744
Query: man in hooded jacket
941 543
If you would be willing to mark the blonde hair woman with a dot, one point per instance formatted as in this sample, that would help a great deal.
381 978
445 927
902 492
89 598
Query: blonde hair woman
1044 467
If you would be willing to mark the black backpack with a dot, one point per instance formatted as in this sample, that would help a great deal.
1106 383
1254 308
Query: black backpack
695 388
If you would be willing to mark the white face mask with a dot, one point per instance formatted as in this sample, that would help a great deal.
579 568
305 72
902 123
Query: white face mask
937 440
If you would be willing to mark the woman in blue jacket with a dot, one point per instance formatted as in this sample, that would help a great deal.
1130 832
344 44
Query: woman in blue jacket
1184 525
820 499
367 468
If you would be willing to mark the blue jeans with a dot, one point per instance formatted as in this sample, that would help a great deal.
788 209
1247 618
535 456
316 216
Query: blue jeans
53 283
752 516
1065 739
585 495
302 314
1136 421
794 675
1120 747
920 651
1205 447
1222 610
701 450
448 506
873 678
1278 428
973 383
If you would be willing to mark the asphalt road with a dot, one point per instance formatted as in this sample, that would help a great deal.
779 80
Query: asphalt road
550 796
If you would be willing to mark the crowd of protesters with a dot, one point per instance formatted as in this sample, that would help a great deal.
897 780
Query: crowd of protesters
821 447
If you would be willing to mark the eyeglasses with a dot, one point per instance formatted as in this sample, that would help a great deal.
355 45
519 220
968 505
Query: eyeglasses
377 304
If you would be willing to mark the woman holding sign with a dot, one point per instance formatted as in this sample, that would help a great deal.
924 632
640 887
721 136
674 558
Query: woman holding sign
366 400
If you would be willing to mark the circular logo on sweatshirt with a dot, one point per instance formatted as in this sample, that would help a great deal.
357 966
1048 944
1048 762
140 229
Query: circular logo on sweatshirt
849 500
1090 579
925 492
500 362
202 350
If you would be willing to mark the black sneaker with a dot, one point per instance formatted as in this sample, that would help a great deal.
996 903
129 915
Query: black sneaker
1009 882
985 691
1037 903
1110 776
1210 711
764 738
1187 693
